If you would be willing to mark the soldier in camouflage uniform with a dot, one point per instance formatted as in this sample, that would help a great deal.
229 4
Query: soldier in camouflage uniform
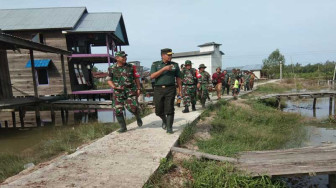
203 85
189 81
124 80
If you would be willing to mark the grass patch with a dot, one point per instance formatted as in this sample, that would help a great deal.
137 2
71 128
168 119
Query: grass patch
220 174
203 174
166 165
64 140
237 129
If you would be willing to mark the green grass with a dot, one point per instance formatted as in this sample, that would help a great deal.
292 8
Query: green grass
65 140
220 174
237 129
206 174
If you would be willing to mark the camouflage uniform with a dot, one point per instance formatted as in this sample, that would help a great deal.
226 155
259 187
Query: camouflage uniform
124 77
189 82
203 91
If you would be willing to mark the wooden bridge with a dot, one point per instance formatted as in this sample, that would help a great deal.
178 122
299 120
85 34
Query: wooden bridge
314 95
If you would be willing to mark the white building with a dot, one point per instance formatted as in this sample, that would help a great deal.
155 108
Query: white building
209 55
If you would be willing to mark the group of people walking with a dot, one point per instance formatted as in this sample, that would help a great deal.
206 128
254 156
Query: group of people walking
235 81
169 81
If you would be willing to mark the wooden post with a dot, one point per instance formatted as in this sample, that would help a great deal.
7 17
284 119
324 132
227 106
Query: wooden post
108 51
66 117
53 118
62 116
330 105
14 120
279 102
314 103
65 92
37 111
6 124
33 72
21 117
332 180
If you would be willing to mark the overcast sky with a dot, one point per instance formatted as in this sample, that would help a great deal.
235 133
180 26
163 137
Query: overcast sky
303 30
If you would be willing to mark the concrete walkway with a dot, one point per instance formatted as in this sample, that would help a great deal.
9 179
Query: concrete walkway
116 160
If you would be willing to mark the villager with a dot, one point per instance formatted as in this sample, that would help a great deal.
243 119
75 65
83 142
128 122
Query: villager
225 83
236 86
189 77
247 78
124 80
217 78
166 74
233 76
203 85
252 78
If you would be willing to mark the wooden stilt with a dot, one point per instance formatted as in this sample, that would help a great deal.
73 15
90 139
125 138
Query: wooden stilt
62 116
38 116
279 102
66 117
332 180
14 119
330 106
314 103
53 118
21 115
6 124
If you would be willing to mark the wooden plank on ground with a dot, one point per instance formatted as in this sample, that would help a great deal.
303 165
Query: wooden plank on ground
307 160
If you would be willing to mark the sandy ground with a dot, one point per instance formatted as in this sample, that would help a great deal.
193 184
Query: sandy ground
116 160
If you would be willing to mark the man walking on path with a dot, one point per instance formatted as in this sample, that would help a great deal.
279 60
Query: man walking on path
189 77
166 74
217 77
225 83
203 85
124 80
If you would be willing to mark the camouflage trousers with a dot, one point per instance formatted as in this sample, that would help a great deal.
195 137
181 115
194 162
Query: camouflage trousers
126 97
189 94
203 92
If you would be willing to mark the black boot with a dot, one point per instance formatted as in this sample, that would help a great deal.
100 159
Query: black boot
193 107
178 104
170 121
186 109
139 121
164 122
122 124
203 103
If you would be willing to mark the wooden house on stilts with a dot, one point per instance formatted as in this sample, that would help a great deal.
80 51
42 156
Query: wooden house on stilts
72 29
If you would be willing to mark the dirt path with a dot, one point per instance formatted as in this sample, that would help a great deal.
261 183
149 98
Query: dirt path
116 160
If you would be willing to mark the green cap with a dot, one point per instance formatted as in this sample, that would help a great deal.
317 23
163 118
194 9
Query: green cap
202 66
167 51
121 54
187 62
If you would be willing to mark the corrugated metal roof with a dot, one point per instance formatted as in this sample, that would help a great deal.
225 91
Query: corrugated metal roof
40 18
98 22
39 63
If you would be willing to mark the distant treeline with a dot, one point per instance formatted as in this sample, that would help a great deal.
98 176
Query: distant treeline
314 71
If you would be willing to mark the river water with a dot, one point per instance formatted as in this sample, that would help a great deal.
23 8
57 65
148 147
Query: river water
316 135
19 140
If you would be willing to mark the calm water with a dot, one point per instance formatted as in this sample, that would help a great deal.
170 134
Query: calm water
315 136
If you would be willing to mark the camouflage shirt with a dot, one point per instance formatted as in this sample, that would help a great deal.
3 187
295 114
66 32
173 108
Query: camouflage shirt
188 76
205 78
123 75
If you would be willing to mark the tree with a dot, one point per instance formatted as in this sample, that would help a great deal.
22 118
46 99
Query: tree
272 64
94 69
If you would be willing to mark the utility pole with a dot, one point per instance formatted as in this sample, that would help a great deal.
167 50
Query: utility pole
280 70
